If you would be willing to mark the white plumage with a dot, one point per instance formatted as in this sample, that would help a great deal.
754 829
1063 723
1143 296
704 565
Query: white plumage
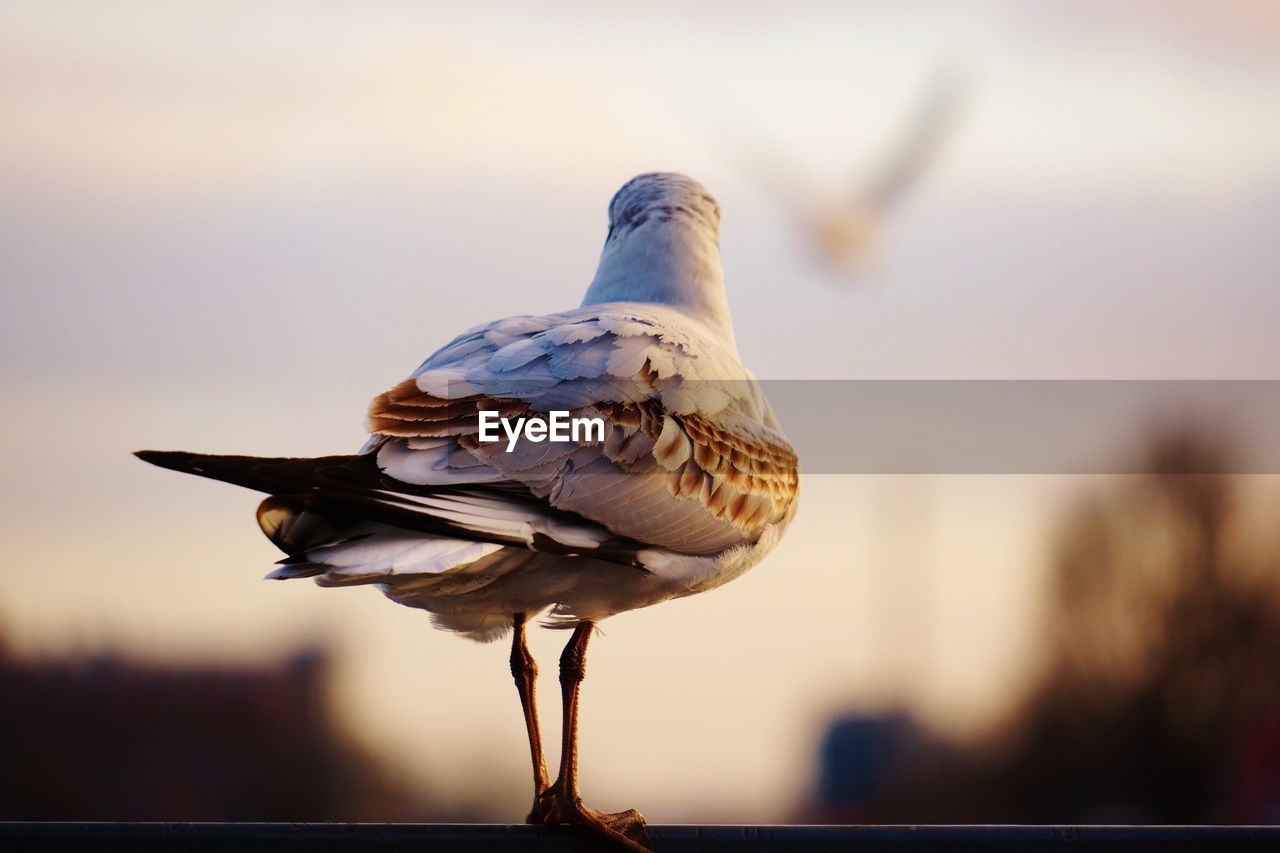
670 359
693 483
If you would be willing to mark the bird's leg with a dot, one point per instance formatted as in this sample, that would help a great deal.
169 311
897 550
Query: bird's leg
562 803
525 671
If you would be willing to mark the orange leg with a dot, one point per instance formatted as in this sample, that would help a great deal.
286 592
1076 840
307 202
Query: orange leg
525 671
562 803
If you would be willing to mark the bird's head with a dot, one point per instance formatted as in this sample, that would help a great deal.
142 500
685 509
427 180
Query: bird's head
663 248
663 197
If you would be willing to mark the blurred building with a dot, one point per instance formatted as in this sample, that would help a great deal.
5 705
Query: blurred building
863 759
107 738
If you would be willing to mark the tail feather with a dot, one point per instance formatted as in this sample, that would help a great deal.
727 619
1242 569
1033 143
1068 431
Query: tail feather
313 497
352 487
296 522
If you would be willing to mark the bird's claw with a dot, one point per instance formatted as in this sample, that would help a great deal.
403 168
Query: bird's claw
625 829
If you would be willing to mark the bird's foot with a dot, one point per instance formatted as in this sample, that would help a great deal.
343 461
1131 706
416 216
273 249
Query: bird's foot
625 829
535 815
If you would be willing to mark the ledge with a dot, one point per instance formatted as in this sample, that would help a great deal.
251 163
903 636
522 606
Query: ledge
252 837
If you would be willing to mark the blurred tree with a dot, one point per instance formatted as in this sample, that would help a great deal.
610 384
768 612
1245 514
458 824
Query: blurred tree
1164 654
1159 700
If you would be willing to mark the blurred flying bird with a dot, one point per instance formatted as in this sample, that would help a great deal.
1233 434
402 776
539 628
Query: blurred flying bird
692 483
844 228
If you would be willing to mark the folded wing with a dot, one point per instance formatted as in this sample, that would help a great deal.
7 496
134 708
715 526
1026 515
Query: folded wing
692 459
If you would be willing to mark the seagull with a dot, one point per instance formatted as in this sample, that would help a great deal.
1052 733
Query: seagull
689 484
844 228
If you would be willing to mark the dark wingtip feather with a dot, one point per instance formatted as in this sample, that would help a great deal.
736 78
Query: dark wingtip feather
163 458
176 460
265 473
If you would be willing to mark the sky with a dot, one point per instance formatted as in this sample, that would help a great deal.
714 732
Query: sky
226 227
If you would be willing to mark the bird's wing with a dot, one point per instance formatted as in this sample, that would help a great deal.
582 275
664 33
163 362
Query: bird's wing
927 128
319 502
768 162
691 460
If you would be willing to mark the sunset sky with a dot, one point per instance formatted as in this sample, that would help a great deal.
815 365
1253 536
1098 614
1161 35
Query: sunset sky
226 227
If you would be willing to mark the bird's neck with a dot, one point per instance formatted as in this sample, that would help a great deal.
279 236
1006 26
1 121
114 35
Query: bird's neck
667 263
